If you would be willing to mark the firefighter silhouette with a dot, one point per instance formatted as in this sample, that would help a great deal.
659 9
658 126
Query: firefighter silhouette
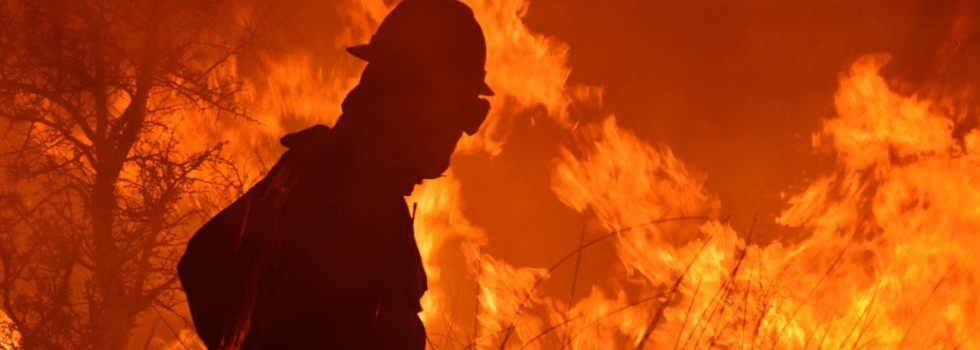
321 253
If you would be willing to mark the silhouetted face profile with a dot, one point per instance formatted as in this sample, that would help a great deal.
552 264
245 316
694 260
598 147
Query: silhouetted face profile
421 88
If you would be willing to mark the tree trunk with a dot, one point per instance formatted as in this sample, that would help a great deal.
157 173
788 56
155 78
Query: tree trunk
110 319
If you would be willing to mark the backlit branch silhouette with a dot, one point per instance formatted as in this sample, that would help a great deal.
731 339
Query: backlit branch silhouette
95 173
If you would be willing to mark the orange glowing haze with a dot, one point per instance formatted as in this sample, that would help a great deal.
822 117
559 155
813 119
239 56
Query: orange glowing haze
872 245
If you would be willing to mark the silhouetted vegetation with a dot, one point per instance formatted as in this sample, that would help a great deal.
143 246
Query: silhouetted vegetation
92 163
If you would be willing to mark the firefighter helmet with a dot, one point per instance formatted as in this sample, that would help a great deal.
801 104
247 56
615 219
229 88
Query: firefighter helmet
433 37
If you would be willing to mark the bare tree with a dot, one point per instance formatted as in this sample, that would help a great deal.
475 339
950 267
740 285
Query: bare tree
93 171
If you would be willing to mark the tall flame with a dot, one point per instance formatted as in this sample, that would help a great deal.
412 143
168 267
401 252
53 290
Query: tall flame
886 262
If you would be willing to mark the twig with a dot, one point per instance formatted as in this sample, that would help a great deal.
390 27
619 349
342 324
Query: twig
527 296
670 295
571 295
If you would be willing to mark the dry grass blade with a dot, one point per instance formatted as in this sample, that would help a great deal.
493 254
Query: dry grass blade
565 258
571 294
921 309
823 277
671 293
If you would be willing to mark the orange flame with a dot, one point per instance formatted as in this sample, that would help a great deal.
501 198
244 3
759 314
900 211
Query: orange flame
9 336
886 262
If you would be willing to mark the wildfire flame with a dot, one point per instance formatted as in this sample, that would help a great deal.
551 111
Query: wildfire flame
9 337
887 260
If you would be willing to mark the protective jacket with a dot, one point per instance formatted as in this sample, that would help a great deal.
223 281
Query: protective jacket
320 254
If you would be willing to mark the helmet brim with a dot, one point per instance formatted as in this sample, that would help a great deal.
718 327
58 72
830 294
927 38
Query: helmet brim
366 53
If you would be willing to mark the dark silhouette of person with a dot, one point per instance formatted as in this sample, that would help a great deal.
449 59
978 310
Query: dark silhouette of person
321 253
